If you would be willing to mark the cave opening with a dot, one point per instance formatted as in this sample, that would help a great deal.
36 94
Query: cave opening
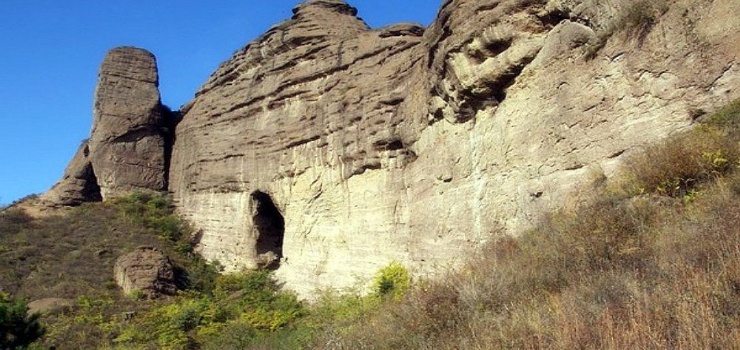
91 189
270 226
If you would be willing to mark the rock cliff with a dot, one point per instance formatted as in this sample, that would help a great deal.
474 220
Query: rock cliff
326 149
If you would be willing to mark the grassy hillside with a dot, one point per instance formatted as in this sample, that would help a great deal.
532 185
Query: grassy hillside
71 256
651 260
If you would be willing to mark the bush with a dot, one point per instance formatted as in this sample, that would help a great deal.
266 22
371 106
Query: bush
680 166
17 328
154 211
392 280
248 302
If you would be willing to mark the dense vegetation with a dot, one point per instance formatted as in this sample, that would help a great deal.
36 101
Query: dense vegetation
18 329
651 260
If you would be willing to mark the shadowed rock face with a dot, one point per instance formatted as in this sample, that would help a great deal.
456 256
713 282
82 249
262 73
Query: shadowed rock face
79 183
127 146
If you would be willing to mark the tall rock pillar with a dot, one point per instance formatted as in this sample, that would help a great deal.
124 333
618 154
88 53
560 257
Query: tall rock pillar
127 146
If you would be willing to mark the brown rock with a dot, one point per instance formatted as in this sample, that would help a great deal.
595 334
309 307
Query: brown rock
146 270
127 146
79 183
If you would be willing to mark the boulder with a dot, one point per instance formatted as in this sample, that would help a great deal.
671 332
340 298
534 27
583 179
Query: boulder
145 270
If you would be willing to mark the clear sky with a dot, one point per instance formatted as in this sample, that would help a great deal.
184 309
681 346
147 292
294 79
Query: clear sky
51 51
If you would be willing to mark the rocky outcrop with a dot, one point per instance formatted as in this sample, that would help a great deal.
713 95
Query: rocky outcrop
129 145
146 270
79 183
418 145
326 149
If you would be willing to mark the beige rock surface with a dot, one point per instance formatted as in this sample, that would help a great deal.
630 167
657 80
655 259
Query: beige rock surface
326 149
146 270
418 145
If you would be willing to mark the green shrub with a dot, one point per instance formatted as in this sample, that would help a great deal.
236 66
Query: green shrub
727 119
245 301
392 280
154 211
17 328
256 299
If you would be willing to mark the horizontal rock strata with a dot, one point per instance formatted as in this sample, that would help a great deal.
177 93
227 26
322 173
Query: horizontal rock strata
127 145
419 144
326 149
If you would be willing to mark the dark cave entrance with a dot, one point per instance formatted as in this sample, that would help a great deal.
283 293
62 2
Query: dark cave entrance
270 226
91 189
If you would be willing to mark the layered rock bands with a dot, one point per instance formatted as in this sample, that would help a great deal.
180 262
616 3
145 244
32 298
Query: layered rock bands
326 149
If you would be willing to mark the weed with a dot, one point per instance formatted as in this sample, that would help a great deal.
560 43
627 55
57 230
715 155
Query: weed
636 19
392 280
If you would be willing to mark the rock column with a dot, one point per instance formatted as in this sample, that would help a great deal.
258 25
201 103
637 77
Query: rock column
127 146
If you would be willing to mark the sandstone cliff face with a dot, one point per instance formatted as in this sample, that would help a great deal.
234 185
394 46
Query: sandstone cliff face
417 145
326 149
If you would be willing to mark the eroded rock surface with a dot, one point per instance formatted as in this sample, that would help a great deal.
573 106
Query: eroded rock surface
127 145
145 270
418 145
79 183
326 149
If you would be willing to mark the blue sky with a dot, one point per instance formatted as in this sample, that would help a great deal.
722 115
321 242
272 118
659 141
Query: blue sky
51 51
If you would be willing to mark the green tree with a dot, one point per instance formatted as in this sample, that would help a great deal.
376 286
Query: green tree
17 328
